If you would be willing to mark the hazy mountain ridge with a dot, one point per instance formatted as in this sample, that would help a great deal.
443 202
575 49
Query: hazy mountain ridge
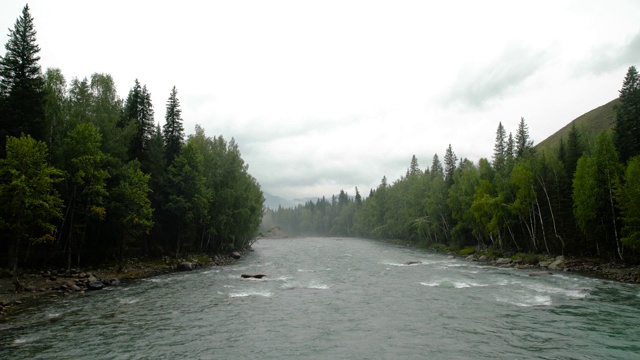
273 201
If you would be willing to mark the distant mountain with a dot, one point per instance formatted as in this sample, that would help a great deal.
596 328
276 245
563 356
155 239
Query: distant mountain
273 201
589 124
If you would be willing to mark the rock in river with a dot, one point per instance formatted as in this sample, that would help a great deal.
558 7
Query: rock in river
95 285
255 276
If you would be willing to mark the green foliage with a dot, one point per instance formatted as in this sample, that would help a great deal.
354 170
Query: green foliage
628 196
467 251
30 204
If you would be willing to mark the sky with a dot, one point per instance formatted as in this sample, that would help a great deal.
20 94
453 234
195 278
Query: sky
323 96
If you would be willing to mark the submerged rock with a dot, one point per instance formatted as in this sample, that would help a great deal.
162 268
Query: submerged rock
255 276
412 262
541 273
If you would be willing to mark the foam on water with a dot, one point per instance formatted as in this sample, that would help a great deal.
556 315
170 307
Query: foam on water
247 293
128 301
527 300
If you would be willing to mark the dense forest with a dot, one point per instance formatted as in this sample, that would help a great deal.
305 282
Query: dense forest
88 177
580 198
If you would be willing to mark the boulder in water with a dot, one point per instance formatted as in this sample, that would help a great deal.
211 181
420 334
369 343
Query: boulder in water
412 262
541 273
254 276
95 285
235 255
185 266
503 261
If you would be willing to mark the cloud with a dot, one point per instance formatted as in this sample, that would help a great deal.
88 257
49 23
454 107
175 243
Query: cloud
611 57
479 85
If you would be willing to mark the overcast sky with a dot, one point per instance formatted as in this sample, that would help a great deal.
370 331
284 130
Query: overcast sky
330 95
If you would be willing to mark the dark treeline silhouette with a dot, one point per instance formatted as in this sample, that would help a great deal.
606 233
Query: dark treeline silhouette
581 199
87 177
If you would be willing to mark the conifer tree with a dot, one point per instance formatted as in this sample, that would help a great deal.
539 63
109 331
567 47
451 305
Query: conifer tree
173 131
21 83
627 129
524 145
500 148
450 160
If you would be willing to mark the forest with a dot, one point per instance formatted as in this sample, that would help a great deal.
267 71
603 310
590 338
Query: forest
87 177
580 198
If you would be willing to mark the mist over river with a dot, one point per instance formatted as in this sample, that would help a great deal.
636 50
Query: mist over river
329 298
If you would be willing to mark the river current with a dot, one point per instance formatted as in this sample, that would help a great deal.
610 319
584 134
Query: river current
329 298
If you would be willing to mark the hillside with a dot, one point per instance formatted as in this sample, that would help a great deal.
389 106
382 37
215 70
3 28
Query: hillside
591 123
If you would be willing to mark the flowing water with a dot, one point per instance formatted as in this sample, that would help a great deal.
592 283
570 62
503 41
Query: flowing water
328 298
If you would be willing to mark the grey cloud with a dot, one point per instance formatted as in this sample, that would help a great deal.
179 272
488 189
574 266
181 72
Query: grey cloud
611 57
480 84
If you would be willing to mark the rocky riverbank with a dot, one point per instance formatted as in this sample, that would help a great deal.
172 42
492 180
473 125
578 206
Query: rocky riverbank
590 267
59 283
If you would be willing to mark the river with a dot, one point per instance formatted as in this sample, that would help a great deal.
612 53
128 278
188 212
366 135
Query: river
329 298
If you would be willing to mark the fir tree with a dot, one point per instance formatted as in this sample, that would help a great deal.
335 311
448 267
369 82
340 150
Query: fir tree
21 83
524 145
173 131
450 160
500 148
627 129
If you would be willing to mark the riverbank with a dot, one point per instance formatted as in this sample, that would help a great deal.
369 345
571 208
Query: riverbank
592 267
59 283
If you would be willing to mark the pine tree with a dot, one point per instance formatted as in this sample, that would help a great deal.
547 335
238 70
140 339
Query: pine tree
574 150
21 83
436 167
627 129
173 131
138 108
500 148
524 145
450 160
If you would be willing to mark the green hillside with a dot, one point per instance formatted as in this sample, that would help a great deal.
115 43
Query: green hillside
590 124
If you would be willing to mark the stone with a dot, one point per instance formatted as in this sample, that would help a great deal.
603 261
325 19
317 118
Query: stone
185 266
95 285
114 282
541 273
413 262
256 276
544 264
503 261
483 258
558 264
235 255
472 257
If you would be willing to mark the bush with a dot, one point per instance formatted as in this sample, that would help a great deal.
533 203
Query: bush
467 251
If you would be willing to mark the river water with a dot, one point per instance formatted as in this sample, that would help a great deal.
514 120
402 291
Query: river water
329 298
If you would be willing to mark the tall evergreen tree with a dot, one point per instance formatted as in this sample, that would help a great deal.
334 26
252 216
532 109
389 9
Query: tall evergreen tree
450 160
524 145
627 129
139 109
21 83
500 148
173 131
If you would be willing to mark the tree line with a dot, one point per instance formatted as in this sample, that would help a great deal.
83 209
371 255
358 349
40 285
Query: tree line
581 198
86 176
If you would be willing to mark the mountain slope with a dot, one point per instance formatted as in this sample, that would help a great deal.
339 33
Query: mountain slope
589 124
